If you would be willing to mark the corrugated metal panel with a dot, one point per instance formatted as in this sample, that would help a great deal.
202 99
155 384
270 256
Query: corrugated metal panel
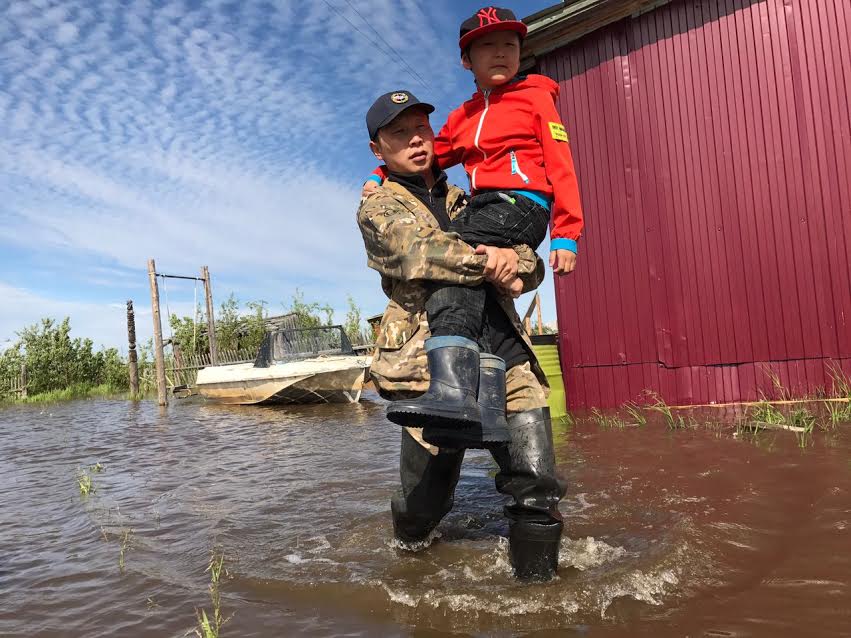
713 145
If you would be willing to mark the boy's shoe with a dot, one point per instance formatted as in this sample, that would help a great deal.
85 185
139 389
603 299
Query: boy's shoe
494 428
450 401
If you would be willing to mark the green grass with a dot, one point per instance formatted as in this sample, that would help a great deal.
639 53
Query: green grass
677 422
606 420
76 391
838 412
210 626
84 481
125 545
635 412
764 412
841 383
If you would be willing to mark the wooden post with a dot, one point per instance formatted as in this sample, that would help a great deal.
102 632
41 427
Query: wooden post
24 381
540 320
132 360
159 355
211 317
527 318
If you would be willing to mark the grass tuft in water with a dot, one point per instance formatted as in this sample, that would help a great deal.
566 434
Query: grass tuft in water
838 412
125 545
841 383
209 627
764 412
606 420
635 412
84 481
677 422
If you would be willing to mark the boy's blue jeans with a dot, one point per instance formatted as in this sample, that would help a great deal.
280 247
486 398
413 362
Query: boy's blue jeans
489 219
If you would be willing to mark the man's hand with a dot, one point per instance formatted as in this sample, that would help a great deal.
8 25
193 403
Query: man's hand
562 261
368 187
501 268
515 288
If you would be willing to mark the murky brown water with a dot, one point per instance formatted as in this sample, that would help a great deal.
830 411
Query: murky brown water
686 533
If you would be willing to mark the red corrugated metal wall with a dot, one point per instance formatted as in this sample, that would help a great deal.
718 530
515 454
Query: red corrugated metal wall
713 146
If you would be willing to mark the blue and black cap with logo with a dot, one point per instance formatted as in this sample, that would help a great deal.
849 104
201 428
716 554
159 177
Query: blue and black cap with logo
386 108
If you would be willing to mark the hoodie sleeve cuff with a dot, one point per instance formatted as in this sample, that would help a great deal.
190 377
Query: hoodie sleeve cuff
375 178
563 243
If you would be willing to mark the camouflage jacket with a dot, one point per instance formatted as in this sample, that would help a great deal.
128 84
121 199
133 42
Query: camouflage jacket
405 244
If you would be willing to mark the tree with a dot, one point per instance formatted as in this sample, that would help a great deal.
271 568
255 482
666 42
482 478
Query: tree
352 324
308 314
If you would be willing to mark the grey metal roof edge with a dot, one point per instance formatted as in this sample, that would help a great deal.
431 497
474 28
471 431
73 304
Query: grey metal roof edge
564 23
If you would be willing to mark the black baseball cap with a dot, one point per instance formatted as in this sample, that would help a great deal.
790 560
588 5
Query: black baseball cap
386 108
488 20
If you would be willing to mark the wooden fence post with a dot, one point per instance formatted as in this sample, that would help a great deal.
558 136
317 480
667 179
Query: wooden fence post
132 361
159 355
211 317
540 320
24 380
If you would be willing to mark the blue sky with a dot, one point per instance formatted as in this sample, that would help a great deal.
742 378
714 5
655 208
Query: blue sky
227 134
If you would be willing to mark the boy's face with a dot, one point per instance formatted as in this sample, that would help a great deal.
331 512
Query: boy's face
406 145
494 58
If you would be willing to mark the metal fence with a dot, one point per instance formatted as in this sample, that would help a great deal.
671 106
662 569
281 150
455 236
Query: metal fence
301 343
184 367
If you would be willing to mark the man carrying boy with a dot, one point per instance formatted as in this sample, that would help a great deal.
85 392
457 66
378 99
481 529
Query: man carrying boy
404 226
511 141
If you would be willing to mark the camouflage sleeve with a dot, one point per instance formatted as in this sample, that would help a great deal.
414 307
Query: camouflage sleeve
398 246
530 268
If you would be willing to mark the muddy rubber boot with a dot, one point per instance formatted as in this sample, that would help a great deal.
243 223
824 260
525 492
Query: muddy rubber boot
534 549
450 402
494 428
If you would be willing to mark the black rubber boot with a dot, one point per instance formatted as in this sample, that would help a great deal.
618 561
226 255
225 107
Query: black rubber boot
534 549
426 492
527 473
450 402
494 428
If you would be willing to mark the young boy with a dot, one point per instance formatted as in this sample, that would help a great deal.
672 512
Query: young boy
513 146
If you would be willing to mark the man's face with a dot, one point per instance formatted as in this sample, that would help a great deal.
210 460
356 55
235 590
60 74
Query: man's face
494 58
406 145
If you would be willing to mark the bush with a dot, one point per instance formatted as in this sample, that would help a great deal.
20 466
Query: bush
55 361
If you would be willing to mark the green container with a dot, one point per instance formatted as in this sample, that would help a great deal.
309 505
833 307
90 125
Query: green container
546 350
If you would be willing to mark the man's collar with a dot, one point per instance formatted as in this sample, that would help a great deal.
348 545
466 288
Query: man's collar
417 182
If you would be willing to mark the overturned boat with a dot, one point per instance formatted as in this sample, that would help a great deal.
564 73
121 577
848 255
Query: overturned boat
307 365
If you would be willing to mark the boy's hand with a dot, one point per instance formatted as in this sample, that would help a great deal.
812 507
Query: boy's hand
562 261
368 186
501 268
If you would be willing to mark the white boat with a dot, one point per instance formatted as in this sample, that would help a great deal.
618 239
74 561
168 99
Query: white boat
316 365
324 379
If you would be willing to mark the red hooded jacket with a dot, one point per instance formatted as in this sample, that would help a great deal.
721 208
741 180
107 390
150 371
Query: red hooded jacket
512 138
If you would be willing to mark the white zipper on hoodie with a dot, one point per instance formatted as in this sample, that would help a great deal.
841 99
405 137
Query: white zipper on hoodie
486 93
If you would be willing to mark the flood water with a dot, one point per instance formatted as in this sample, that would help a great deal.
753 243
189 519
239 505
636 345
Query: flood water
668 533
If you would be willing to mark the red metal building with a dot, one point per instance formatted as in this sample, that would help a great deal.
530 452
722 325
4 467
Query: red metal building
713 145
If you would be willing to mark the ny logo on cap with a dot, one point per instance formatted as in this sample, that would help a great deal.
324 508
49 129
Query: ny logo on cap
487 16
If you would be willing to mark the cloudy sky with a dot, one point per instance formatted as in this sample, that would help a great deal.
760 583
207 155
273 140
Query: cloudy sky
221 133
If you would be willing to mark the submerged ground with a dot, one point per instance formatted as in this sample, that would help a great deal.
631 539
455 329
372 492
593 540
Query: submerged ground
696 531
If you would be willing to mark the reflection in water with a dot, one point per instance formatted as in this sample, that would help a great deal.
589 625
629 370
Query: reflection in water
692 532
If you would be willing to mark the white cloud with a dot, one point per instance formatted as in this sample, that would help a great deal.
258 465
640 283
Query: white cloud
66 33
103 323
201 133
